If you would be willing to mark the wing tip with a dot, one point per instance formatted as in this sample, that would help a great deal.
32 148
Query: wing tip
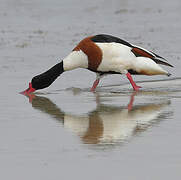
158 61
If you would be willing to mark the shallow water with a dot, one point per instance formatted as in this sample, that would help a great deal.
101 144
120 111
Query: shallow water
65 131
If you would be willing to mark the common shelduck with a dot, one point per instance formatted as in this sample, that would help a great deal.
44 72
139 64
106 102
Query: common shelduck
104 54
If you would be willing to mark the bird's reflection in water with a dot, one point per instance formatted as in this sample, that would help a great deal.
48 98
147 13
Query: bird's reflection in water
107 124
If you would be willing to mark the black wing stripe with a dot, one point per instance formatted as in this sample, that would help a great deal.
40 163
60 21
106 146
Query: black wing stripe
103 38
162 62
158 56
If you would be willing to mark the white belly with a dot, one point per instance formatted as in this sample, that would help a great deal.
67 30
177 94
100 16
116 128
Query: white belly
116 57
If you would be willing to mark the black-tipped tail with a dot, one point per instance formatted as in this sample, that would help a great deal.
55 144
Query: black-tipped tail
47 78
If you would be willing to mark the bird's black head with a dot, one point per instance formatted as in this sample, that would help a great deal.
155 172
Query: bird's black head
45 79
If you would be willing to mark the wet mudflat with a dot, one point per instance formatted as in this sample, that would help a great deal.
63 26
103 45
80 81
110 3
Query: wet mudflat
67 132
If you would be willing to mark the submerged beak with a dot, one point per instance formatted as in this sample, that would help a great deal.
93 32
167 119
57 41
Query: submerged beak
29 90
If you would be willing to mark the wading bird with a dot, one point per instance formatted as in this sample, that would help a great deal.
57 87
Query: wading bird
104 54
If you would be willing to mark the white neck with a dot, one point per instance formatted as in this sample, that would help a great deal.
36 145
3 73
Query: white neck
76 59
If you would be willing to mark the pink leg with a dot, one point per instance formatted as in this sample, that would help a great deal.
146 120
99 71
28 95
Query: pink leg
135 87
96 82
